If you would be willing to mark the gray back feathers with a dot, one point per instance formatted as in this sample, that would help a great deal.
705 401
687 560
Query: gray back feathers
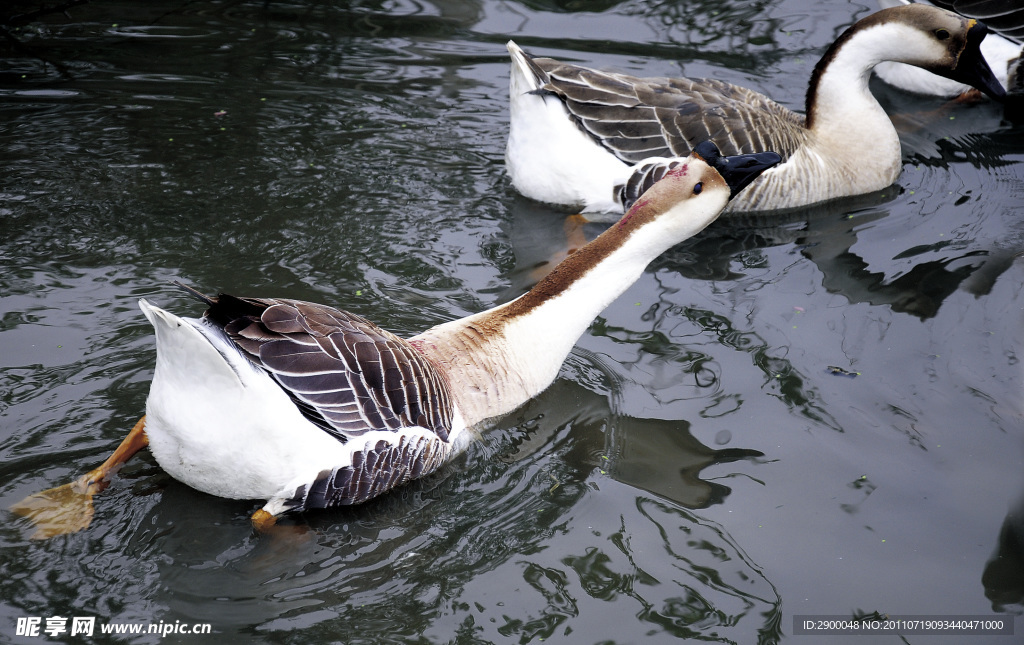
637 118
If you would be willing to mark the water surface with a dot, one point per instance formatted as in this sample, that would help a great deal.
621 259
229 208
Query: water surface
811 414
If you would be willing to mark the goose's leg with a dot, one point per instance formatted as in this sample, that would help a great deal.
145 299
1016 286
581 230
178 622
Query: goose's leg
574 240
574 237
262 521
68 508
284 537
973 95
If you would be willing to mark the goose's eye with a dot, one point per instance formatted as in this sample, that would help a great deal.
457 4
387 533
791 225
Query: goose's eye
699 186
941 34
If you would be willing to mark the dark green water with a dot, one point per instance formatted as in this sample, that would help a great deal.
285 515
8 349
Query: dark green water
699 470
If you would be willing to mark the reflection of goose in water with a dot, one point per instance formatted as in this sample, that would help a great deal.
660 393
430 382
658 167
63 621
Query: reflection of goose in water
827 237
1003 577
659 456
824 234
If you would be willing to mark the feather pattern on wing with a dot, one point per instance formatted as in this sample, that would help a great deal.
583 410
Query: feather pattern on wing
347 375
643 178
637 118
373 471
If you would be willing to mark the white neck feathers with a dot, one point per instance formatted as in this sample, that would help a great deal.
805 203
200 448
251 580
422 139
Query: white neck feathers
845 121
498 359
839 94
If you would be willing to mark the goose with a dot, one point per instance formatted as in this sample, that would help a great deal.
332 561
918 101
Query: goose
307 406
1002 50
590 140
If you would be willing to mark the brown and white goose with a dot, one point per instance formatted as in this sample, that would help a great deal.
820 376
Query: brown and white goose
307 406
586 139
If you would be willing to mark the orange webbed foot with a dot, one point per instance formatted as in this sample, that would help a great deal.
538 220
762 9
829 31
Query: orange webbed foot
68 508
263 521
282 537
61 510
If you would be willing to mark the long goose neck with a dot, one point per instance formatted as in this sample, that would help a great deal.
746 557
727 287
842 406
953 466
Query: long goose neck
589 279
838 93
498 359
851 137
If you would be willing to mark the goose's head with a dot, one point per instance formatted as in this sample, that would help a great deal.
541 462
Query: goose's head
937 40
688 197
693 193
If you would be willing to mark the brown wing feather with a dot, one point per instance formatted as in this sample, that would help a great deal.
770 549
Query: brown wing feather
347 375
637 118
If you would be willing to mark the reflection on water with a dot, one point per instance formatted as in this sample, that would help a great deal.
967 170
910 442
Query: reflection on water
827 234
1003 576
699 470
535 537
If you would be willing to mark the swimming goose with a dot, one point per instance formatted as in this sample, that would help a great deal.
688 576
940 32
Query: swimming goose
1001 48
307 406
580 138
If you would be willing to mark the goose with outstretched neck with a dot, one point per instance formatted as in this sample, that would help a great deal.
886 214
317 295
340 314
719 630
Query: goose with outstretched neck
307 406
